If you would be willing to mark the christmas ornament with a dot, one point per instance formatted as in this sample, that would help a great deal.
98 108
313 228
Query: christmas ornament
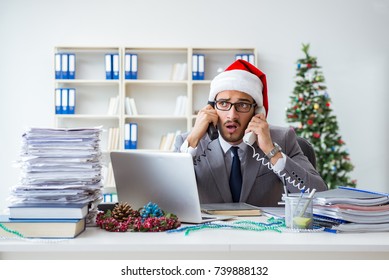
150 218
122 211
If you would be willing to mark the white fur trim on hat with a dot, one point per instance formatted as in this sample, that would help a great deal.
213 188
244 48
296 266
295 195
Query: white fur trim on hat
240 80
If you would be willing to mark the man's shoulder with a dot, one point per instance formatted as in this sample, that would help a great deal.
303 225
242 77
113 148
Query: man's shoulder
280 132
279 129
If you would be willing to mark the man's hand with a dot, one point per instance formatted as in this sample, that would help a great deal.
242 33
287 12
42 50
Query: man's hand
205 116
260 127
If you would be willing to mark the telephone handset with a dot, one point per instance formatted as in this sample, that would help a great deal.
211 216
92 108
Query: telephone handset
249 138
212 130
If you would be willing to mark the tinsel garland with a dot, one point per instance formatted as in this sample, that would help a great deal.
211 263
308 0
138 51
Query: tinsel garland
150 218
272 224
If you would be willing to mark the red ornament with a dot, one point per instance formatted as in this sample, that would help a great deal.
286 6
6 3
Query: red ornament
316 135
310 122
328 104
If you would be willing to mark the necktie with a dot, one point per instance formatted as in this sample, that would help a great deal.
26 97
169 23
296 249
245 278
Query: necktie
235 175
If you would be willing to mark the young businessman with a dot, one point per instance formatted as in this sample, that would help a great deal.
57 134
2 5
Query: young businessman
241 106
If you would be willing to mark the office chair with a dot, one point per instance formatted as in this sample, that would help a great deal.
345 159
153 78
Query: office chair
307 149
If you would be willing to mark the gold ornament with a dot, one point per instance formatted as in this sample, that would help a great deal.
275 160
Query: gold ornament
316 106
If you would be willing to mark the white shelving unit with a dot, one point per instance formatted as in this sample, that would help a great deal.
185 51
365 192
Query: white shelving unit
155 91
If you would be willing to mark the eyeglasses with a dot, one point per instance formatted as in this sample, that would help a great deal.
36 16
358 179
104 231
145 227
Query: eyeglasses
241 107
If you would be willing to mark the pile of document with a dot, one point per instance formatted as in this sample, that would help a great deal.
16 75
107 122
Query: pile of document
351 210
59 166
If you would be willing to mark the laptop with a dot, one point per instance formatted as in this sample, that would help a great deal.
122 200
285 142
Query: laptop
165 178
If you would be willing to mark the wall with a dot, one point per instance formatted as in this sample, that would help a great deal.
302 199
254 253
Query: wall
348 38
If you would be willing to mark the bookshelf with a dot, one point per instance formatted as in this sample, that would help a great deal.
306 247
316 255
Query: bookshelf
163 76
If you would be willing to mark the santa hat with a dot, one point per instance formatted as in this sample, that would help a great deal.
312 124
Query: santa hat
245 77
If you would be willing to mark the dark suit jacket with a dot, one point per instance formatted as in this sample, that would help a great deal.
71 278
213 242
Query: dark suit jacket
261 186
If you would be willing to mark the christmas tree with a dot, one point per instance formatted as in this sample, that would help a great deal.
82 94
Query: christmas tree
312 117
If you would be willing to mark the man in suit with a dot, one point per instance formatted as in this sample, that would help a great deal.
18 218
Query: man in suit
256 173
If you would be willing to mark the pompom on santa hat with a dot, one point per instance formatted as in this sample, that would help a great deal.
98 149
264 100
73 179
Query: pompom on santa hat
245 77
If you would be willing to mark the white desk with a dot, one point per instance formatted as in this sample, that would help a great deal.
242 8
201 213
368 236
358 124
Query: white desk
96 243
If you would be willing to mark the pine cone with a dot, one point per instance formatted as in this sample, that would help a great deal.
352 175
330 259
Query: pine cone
122 211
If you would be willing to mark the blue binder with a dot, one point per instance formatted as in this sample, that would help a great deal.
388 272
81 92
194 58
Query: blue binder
71 100
108 66
71 66
133 135
64 101
64 66
134 66
115 66
58 67
127 66
249 57
130 66
126 136
201 66
130 135
195 67
252 59
58 108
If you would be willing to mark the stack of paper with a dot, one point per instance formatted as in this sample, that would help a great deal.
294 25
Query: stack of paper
59 166
348 209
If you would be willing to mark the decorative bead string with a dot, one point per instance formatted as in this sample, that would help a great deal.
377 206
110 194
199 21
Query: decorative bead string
15 232
273 224
19 236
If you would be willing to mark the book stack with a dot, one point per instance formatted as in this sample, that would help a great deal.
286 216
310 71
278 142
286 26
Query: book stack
239 209
60 182
130 106
113 106
167 141
351 210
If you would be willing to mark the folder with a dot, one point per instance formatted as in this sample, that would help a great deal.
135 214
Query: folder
201 67
115 66
58 109
108 66
134 66
57 66
71 100
126 136
64 100
195 67
71 66
133 135
252 59
249 57
64 66
127 66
